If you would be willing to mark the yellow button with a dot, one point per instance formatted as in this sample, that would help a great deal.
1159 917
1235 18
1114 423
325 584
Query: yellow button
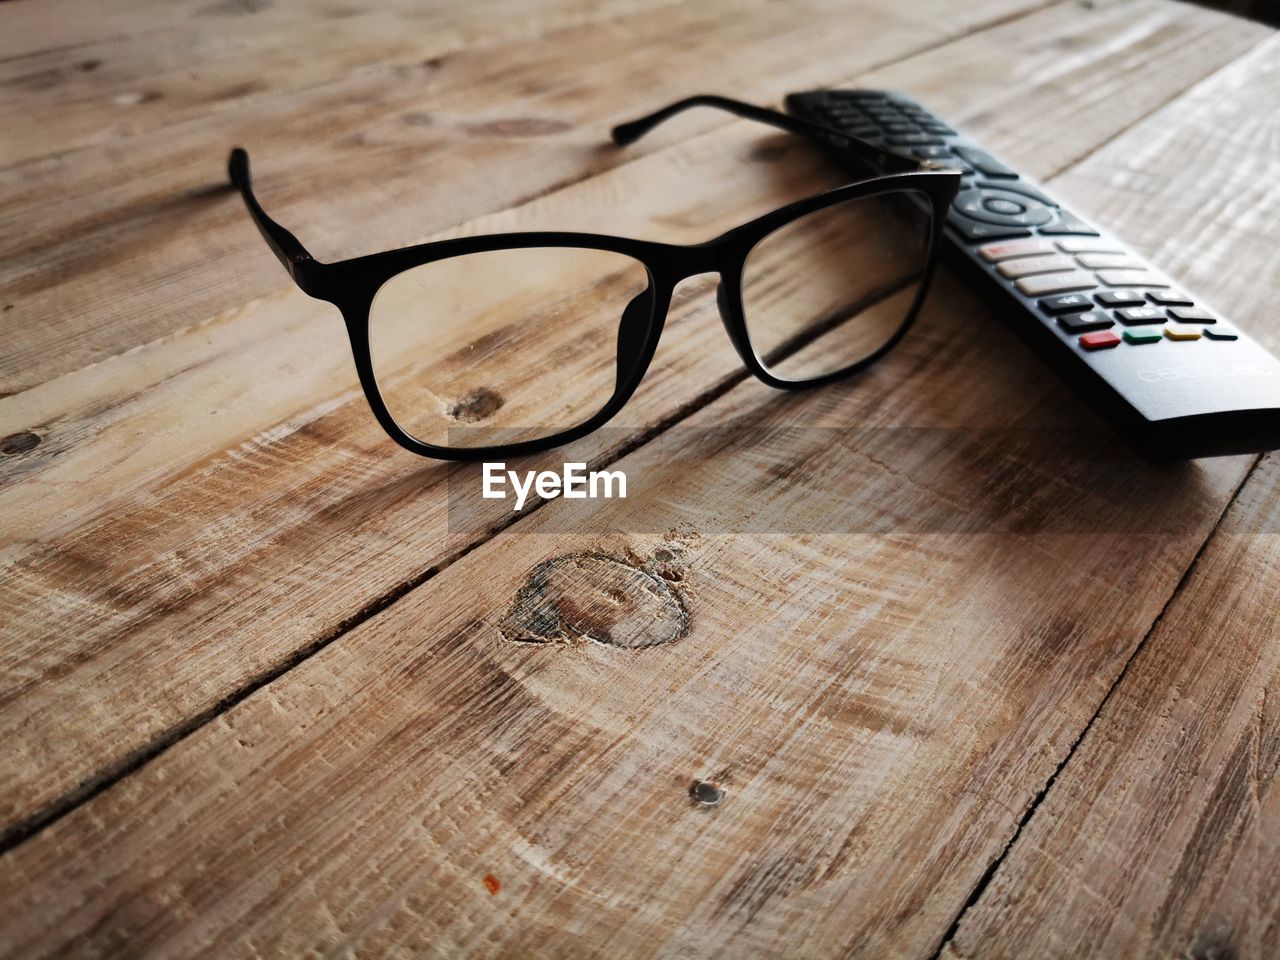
1179 331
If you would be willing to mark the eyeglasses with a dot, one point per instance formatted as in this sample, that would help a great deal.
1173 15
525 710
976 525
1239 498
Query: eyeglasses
494 346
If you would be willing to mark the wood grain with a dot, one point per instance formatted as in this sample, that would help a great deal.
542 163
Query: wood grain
188 551
1162 834
1168 813
198 57
869 713
146 230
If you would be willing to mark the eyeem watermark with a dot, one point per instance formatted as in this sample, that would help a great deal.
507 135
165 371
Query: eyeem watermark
745 475
574 482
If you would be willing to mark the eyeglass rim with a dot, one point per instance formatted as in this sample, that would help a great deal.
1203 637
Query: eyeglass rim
667 264
352 284
926 257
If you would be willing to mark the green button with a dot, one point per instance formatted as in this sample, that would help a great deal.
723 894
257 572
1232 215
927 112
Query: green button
1143 334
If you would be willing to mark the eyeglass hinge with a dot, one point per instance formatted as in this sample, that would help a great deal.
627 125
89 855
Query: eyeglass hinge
306 272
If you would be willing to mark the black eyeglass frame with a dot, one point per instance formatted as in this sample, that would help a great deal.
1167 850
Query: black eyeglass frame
352 284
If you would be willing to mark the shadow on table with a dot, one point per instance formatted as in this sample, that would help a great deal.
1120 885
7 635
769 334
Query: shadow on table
961 429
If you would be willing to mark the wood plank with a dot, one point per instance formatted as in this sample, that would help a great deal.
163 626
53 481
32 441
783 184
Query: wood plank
873 711
241 532
144 233
1160 837
82 21
196 57
1168 813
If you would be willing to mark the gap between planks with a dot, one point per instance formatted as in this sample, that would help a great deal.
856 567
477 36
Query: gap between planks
138 756
987 876
270 696
985 881
132 233
143 755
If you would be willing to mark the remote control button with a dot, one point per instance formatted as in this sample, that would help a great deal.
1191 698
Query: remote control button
932 153
937 154
969 202
1101 340
1121 298
974 231
1176 331
1068 223
1018 186
1066 303
1002 207
953 163
1144 334
1140 315
1170 298
902 126
1088 245
1053 282
1025 266
985 163
1100 261
1130 278
1192 315
995 252
1083 322
912 139
932 126
1219 334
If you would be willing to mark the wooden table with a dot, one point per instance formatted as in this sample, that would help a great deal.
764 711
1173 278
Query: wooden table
960 692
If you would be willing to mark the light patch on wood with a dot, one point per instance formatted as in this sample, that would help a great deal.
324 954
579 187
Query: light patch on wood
518 127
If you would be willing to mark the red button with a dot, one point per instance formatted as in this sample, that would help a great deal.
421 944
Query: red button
1099 341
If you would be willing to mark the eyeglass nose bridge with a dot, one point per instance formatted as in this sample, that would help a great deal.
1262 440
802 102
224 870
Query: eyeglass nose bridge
724 259
714 256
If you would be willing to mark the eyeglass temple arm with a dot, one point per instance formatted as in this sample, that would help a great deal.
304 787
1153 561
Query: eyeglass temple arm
283 244
626 133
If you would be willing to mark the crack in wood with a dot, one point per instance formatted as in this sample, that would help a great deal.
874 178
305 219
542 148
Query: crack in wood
948 946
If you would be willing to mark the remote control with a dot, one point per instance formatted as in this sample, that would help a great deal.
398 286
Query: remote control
1163 366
